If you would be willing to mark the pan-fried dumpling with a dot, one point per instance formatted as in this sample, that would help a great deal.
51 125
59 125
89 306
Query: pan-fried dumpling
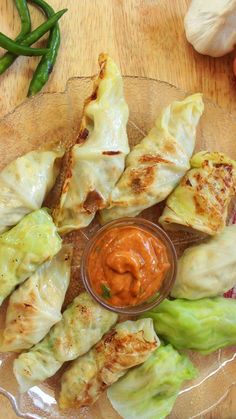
155 166
207 269
202 198
128 344
149 391
97 159
24 184
24 248
36 305
83 324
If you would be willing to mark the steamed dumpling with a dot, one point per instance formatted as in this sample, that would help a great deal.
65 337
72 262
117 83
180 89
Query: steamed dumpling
203 325
97 159
24 248
36 305
83 324
130 343
155 166
24 184
208 269
202 198
149 391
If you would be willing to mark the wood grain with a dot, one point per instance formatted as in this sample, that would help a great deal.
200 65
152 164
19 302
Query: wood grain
146 37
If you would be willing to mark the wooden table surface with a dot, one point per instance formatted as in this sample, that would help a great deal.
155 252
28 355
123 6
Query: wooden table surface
146 38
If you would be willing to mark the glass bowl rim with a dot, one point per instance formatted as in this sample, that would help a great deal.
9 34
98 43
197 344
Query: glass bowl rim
158 232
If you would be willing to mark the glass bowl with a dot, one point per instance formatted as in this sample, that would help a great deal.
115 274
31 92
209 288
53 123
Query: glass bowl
49 119
169 278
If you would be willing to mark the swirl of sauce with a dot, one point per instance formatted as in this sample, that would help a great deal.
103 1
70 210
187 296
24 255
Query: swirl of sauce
127 265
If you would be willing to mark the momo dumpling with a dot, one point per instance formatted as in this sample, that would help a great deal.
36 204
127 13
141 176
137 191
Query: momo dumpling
35 306
207 269
24 248
203 325
83 324
202 198
130 343
97 159
155 166
149 391
24 184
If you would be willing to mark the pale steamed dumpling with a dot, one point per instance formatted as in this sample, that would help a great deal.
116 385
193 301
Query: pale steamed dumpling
35 306
25 247
24 184
207 269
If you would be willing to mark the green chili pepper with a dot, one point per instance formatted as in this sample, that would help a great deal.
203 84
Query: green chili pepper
17 49
34 36
45 66
8 58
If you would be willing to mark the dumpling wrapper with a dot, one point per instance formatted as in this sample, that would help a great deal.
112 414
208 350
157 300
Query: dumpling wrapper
83 324
155 165
24 184
24 248
98 158
130 343
149 391
202 198
207 269
203 325
35 306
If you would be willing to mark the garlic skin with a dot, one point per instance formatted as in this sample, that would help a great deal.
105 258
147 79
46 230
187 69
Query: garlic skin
210 26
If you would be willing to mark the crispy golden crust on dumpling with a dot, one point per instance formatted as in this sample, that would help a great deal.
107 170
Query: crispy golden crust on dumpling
128 344
155 165
202 198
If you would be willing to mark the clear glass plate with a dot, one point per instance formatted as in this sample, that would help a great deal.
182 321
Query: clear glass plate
50 119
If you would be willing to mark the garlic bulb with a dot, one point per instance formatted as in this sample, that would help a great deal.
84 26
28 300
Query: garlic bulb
210 26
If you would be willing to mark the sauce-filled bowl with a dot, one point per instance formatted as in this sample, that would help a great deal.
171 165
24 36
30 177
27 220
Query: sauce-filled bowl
129 266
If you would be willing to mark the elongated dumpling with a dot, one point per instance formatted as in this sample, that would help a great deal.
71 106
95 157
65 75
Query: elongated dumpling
202 198
24 183
24 248
97 159
155 166
36 305
207 269
149 391
83 324
203 325
128 344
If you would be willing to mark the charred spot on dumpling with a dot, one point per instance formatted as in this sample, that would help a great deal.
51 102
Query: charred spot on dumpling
169 147
83 134
93 202
141 178
153 158
94 95
111 153
187 182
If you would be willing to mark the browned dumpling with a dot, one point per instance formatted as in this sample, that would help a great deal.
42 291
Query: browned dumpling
97 159
130 343
202 198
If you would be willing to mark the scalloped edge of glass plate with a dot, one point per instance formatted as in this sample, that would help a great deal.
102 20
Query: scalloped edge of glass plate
5 393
